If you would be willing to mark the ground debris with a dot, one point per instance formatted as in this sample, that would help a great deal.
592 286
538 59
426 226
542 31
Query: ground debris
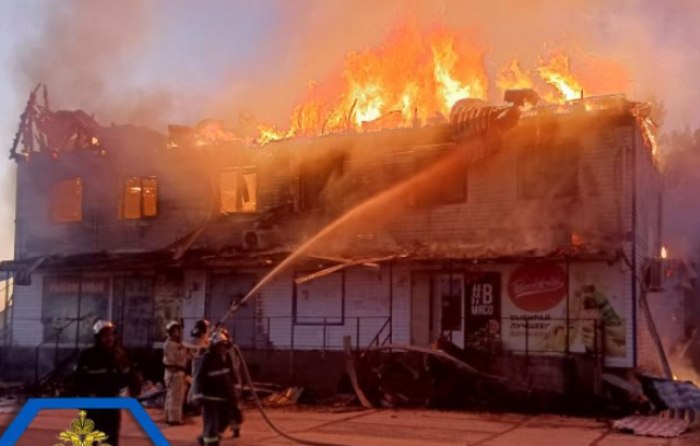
287 397
152 395
652 426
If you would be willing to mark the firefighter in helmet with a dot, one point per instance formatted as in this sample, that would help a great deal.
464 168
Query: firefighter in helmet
215 386
198 343
175 357
103 370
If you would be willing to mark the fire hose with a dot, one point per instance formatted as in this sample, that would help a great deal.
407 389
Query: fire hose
258 404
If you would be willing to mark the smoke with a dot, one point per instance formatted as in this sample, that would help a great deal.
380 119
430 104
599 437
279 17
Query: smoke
86 52
93 55
642 48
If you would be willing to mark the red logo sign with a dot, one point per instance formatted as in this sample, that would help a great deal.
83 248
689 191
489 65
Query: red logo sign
537 287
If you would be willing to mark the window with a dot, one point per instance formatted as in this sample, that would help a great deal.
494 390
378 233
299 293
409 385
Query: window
548 169
320 301
238 191
446 185
314 177
139 198
70 304
133 310
67 201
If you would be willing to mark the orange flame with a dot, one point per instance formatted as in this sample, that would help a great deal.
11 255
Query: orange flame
415 78
267 133
403 83
513 77
557 73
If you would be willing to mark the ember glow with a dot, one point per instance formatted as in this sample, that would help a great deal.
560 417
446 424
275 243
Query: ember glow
412 79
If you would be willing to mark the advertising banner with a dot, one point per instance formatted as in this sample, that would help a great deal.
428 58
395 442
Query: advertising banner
482 321
582 308
535 308
599 300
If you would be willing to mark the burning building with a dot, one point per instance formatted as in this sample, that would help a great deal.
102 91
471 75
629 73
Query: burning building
525 234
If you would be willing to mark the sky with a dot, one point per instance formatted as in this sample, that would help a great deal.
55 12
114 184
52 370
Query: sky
178 61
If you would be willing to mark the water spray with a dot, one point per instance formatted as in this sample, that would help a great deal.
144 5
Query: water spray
470 121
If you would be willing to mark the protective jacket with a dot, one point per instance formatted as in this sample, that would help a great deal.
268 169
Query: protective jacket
104 372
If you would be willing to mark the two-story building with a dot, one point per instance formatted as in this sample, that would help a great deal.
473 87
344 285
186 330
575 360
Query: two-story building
515 233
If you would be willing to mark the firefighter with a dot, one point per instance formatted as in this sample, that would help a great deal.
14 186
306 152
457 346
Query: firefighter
215 387
197 345
103 370
175 357
199 339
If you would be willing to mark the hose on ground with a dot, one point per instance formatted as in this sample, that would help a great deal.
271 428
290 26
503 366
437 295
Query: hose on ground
258 403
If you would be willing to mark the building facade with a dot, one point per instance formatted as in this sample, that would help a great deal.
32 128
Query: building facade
540 240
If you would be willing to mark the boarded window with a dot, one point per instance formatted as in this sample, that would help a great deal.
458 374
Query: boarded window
320 301
139 198
67 201
548 169
238 191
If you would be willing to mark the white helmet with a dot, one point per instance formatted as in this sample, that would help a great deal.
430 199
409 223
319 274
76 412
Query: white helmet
220 335
101 324
169 326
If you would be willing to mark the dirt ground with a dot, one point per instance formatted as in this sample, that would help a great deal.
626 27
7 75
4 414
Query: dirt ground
378 427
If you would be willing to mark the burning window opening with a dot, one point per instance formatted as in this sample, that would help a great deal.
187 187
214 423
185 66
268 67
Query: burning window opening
67 201
238 191
139 198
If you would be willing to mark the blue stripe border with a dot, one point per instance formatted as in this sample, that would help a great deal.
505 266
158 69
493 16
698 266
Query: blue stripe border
34 405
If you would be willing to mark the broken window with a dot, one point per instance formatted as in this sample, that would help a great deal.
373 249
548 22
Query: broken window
314 177
548 169
238 191
67 201
139 198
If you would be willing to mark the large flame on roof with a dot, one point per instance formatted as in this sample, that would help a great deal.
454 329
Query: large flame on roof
557 72
407 80
412 79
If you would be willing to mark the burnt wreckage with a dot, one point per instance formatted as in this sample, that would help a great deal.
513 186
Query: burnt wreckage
520 239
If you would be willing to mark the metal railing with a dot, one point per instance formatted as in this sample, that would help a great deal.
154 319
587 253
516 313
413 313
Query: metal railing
309 333
54 341
523 335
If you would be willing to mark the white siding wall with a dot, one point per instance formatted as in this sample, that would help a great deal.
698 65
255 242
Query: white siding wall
401 306
27 329
367 307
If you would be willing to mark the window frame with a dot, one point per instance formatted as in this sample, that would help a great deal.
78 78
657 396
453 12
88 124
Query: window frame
141 199
240 172
569 150
337 321
424 159
54 200
312 171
